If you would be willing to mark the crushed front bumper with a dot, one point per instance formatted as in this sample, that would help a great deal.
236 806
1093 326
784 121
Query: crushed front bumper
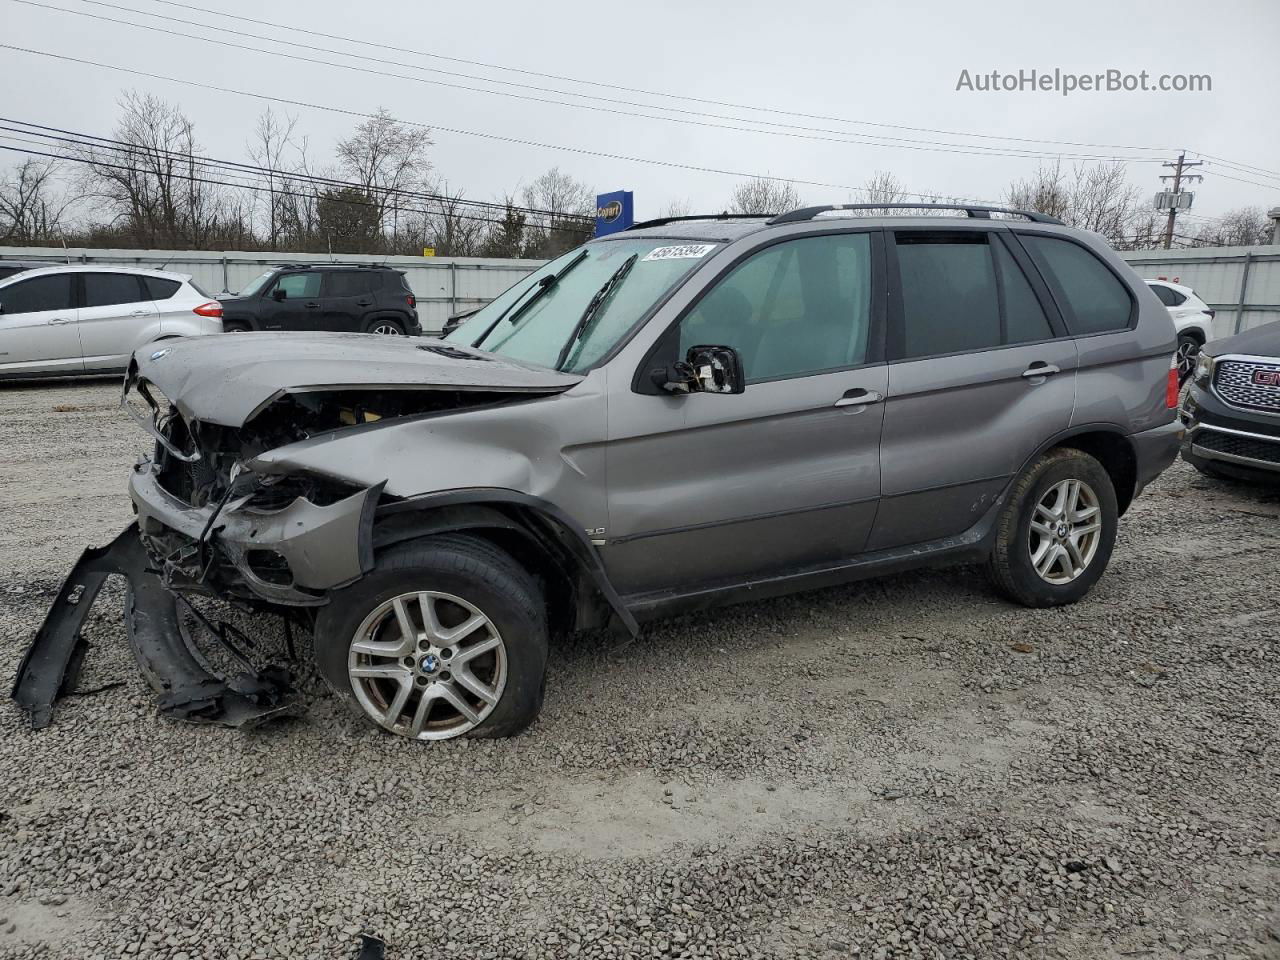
289 556
188 687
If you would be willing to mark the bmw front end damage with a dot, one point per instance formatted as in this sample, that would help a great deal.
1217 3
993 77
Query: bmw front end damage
223 512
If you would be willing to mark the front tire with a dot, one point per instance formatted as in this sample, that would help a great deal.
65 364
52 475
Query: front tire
447 637
1188 351
1056 531
234 326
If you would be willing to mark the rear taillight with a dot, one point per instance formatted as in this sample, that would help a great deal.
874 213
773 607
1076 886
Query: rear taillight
211 309
1171 386
411 300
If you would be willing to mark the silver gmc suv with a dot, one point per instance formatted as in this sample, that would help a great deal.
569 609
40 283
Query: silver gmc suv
692 412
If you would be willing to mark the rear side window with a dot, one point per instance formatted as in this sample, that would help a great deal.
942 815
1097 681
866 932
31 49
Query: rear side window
36 295
1092 297
949 299
158 288
347 283
1168 296
298 286
109 289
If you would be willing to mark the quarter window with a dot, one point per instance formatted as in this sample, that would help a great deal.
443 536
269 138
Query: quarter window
37 295
299 286
347 283
794 309
161 288
109 289
1168 296
1093 298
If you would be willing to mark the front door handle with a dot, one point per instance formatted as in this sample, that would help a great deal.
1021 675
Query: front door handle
1040 369
858 397
312 305
140 313
58 321
364 303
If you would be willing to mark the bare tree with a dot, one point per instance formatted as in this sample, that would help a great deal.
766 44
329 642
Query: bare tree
270 148
884 187
1242 227
32 207
1095 197
451 227
765 196
566 208
506 238
676 208
388 159
155 186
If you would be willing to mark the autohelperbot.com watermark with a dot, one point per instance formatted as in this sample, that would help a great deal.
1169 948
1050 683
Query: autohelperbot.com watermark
1065 82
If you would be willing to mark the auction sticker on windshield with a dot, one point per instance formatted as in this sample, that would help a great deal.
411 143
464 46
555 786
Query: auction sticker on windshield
685 251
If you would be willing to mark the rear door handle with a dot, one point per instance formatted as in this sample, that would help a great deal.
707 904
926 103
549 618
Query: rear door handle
311 305
58 321
858 397
1040 369
140 313
364 303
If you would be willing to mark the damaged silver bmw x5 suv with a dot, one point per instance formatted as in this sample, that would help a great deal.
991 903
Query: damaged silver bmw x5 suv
691 412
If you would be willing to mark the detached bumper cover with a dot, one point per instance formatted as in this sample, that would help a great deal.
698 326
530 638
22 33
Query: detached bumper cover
187 685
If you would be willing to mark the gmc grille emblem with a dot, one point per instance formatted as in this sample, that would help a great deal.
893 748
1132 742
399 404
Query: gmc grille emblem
1267 378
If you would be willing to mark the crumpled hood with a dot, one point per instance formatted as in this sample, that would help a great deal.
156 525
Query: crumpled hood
227 378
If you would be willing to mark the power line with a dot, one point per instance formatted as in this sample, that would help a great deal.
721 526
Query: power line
582 151
294 28
223 183
837 137
107 143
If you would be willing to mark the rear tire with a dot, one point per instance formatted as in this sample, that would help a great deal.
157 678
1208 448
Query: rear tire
1056 562
387 328
461 580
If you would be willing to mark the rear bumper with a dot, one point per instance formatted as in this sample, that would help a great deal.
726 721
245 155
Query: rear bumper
1154 452
1228 437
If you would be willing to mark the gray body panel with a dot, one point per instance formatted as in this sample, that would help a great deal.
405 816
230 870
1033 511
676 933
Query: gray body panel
689 498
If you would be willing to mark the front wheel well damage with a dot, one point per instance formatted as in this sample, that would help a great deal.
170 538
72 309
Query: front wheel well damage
576 599
1117 457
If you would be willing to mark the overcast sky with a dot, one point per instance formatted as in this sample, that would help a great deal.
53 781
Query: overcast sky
886 63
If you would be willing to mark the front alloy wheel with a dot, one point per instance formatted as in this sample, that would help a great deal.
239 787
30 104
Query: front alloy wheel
427 665
1065 531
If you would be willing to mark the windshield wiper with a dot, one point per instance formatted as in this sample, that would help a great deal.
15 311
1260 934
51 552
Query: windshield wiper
541 287
593 307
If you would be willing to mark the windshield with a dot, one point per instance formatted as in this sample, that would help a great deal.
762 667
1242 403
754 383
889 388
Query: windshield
552 320
257 284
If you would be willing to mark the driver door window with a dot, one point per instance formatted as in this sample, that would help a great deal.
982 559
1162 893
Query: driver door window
298 286
795 309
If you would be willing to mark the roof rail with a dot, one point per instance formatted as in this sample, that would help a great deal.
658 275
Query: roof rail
327 263
976 212
662 221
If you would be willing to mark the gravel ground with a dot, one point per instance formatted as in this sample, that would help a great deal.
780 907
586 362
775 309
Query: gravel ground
904 767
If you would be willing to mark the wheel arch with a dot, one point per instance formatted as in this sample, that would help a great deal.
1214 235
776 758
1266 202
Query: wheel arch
538 534
1195 333
400 319
1107 444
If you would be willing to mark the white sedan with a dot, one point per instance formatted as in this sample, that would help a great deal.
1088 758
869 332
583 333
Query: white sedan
67 321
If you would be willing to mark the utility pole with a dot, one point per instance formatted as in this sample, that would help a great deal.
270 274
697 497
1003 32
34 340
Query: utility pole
1178 175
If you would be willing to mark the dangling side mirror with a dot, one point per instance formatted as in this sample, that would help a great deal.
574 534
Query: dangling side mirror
716 369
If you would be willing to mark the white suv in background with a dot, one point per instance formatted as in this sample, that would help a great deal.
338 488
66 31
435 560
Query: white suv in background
1192 318
67 321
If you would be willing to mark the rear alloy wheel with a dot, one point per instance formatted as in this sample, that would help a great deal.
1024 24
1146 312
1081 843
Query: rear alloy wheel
427 665
1188 350
1054 534
1065 531
387 328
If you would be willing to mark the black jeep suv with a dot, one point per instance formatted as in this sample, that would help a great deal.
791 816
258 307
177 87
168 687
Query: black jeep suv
345 297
